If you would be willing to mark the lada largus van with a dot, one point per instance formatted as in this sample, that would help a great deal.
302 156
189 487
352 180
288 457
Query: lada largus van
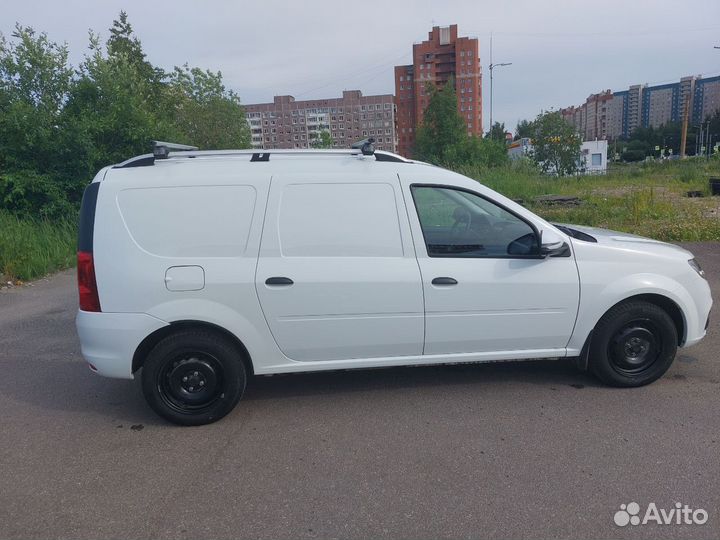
199 269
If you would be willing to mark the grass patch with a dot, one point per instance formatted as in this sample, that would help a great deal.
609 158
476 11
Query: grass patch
31 248
648 199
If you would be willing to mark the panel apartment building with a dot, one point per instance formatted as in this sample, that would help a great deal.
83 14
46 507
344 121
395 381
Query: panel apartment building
609 115
435 61
287 123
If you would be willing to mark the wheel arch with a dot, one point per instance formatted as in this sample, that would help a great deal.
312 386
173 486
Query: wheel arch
663 302
154 338
671 308
667 304
601 295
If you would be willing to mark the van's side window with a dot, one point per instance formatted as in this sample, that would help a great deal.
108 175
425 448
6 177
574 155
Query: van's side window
457 223
339 220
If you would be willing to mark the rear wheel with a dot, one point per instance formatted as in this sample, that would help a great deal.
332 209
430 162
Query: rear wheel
633 344
193 377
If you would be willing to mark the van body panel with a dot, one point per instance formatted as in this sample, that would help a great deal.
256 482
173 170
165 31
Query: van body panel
352 285
131 268
359 296
108 340
498 304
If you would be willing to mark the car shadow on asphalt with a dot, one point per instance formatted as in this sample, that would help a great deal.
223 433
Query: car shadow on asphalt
68 385
493 375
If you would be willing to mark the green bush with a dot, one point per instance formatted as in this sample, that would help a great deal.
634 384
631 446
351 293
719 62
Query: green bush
30 194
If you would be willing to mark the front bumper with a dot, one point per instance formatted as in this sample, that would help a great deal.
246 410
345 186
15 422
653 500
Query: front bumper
108 341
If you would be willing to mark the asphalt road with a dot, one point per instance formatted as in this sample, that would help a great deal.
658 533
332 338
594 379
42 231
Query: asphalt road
521 450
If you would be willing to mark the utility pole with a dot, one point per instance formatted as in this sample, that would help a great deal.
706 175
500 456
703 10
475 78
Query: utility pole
698 140
491 67
683 136
707 148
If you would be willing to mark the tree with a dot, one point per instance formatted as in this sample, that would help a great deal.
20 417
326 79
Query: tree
59 125
714 129
115 107
635 150
485 152
643 141
556 144
34 81
497 132
442 137
124 42
442 133
322 140
523 130
205 113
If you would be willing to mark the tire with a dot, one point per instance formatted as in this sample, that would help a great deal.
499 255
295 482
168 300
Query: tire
633 344
194 377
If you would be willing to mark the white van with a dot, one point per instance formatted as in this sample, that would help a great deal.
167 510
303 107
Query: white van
201 268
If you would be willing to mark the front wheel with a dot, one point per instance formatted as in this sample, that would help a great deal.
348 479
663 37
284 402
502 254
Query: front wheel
193 377
633 344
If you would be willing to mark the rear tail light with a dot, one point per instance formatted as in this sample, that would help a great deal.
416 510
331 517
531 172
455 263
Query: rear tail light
87 285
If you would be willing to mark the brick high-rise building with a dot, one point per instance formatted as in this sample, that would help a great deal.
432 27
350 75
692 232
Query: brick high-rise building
596 115
592 118
616 115
286 123
435 61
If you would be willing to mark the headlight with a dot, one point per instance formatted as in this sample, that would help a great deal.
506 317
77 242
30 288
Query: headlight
695 266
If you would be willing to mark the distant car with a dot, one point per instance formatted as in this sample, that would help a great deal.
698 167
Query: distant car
203 268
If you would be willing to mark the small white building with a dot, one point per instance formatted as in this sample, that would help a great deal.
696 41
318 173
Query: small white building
593 154
519 148
594 157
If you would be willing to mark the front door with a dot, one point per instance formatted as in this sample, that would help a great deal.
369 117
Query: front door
486 290
337 276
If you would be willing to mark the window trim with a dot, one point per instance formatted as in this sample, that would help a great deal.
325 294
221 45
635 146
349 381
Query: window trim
534 228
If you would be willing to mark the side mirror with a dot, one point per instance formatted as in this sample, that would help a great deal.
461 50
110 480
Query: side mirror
553 245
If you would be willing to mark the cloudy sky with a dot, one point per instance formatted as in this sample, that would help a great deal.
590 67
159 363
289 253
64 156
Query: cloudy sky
561 50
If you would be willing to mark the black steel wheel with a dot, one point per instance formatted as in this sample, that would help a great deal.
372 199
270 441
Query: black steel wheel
633 344
193 377
190 382
635 347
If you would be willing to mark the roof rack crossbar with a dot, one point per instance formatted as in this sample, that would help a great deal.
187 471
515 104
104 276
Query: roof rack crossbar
366 146
161 149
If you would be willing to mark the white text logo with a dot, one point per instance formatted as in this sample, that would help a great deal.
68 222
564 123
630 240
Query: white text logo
680 514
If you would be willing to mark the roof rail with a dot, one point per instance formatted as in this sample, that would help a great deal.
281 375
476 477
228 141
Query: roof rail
256 155
381 155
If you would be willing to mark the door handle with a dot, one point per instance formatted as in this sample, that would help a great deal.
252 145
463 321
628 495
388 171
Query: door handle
444 281
279 281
